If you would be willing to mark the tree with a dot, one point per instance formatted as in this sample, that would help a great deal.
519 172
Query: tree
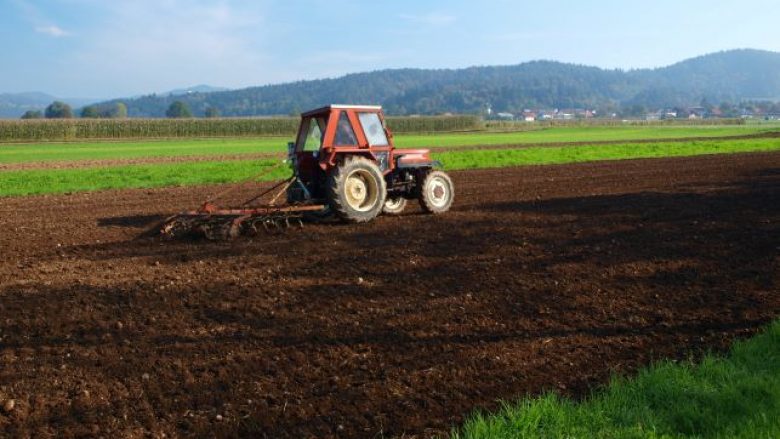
727 109
90 112
58 110
211 112
635 111
32 114
178 109
119 111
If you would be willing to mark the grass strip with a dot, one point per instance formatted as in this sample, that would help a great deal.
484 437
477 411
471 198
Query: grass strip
736 396
90 150
493 158
574 134
43 181
16 183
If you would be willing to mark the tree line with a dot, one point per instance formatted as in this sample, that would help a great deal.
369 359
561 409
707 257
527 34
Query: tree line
115 110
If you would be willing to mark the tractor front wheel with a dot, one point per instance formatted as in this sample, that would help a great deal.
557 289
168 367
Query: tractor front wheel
436 192
356 190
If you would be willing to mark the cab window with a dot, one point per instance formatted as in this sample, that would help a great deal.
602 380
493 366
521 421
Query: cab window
373 129
345 135
311 134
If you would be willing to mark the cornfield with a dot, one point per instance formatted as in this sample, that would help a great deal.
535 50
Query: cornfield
78 129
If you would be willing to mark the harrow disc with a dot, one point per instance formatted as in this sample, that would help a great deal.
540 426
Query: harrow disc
227 227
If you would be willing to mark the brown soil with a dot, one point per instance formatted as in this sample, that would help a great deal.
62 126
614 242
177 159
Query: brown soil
541 278
73 164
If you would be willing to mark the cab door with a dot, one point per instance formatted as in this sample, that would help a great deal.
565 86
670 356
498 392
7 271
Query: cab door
307 148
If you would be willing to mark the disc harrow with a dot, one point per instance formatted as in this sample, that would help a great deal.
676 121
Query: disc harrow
227 225
219 224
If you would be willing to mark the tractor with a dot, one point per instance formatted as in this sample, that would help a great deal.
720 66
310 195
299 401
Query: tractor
344 165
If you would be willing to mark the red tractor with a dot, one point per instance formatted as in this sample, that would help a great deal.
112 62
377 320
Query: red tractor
345 164
344 156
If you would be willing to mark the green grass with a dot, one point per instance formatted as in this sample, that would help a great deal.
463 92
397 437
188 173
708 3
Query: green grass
736 396
566 154
24 153
575 134
15 183
42 152
43 181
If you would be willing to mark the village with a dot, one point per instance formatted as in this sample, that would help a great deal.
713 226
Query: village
770 112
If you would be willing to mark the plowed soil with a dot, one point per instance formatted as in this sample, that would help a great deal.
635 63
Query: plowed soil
541 278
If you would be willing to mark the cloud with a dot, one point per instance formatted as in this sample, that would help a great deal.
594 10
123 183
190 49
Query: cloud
430 19
54 31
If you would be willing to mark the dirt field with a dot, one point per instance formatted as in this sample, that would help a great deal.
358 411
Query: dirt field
542 278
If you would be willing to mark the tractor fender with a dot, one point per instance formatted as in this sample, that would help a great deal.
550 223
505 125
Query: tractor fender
333 157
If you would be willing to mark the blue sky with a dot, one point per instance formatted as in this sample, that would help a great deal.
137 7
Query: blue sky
112 48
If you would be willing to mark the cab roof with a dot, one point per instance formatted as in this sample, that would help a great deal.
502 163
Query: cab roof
328 108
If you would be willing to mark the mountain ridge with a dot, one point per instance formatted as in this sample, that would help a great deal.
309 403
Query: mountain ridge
730 76
733 76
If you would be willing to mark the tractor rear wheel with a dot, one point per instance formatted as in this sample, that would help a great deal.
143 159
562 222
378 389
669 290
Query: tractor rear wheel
394 205
356 190
436 192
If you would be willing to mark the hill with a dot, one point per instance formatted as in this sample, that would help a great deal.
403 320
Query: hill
202 88
13 105
725 76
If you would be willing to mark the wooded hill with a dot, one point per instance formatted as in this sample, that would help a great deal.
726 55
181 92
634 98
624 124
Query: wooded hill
731 76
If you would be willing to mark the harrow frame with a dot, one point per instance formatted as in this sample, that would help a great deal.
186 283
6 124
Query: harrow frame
216 223
224 223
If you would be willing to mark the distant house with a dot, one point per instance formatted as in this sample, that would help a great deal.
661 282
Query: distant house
505 116
544 115
697 113
529 116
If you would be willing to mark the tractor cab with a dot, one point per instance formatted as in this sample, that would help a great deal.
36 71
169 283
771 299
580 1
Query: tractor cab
328 132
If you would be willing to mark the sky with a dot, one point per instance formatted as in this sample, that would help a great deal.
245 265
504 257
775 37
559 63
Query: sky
117 48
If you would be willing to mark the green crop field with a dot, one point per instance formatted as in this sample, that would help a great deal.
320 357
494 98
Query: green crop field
577 134
43 181
720 397
45 152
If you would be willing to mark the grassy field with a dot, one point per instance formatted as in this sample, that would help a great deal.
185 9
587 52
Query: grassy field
737 396
577 134
43 181
45 152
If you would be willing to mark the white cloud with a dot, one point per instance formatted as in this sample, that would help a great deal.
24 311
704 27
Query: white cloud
54 31
430 19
